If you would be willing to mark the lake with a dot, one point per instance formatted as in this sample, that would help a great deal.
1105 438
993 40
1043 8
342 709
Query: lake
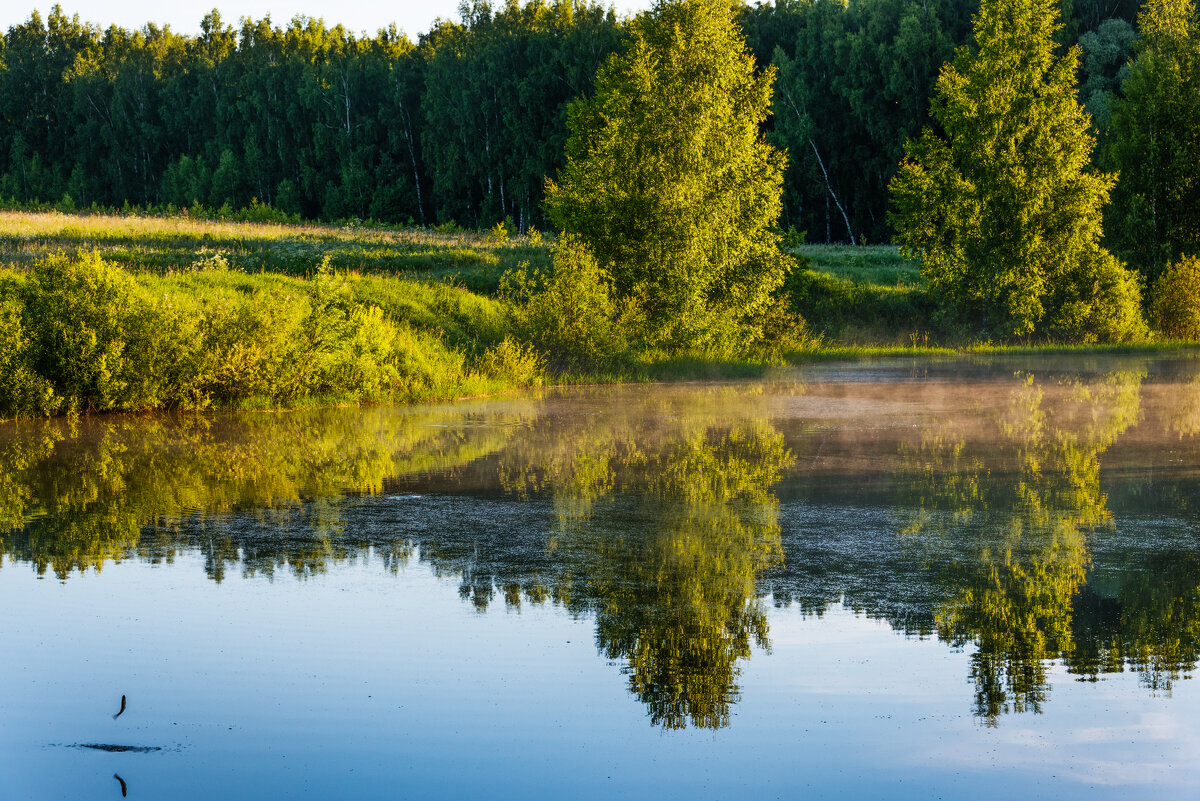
973 576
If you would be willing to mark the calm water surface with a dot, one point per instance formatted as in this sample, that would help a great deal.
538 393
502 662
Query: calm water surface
969 577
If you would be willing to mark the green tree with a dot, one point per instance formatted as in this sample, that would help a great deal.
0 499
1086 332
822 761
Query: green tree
1004 209
670 182
1155 141
1104 59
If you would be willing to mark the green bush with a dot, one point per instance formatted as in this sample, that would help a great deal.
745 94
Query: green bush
22 390
499 233
1099 302
347 347
520 364
99 338
569 313
105 339
320 342
247 342
1176 304
262 213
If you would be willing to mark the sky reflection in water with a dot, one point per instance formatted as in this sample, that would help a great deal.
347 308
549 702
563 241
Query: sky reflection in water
894 579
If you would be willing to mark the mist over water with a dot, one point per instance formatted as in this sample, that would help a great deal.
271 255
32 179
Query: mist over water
900 577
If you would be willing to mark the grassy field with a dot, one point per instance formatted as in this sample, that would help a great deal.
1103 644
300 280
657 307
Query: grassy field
848 295
172 244
139 312
862 296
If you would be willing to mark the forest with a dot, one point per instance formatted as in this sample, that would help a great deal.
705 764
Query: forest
464 124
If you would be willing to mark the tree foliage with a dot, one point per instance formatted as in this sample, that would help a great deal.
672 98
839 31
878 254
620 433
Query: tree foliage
1155 141
569 312
669 180
1004 209
1176 301
462 122
307 118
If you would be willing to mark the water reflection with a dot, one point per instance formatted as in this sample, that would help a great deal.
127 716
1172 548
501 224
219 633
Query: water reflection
674 594
662 519
1019 520
73 499
1036 515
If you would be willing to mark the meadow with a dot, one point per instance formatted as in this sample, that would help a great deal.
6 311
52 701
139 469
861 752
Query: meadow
135 312
164 244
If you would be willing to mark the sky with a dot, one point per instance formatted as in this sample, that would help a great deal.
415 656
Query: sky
411 16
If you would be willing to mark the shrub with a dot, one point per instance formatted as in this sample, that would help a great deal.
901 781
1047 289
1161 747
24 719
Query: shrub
1100 302
22 390
569 313
520 364
366 365
82 332
263 213
99 338
320 342
1176 303
247 343
351 348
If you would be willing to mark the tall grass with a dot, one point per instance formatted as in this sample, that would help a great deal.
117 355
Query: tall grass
861 295
171 244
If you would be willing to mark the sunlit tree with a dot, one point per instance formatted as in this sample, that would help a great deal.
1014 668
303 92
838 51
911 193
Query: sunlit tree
1154 141
1004 208
669 180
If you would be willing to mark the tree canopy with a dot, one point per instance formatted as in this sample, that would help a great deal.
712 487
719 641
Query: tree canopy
463 121
670 182
1004 209
1155 141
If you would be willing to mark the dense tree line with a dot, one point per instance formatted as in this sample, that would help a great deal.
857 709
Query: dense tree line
855 80
309 119
465 123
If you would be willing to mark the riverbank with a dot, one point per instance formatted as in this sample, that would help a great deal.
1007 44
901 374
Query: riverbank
122 312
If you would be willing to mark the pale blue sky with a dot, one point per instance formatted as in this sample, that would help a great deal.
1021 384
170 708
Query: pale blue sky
413 17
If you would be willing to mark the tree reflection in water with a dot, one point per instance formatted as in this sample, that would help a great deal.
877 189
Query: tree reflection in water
75 499
1021 518
674 593
671 581
656 513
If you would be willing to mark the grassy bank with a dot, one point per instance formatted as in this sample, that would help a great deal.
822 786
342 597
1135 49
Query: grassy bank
80 332
862 296
111 312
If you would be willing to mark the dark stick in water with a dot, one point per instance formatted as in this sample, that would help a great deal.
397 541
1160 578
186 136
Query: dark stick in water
124 788
120 713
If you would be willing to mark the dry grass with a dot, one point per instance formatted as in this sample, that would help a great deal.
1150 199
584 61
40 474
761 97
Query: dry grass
167 244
